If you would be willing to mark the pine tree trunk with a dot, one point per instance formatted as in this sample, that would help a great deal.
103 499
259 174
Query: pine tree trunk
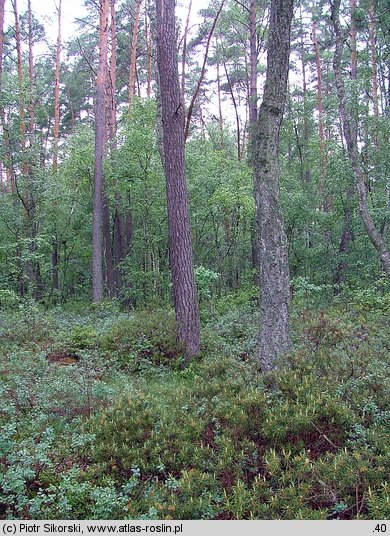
149 40
274 335
180 245
350 129
133 52
100 136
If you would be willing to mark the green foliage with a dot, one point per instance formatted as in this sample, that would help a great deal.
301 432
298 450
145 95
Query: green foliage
213 441
205 279
147 338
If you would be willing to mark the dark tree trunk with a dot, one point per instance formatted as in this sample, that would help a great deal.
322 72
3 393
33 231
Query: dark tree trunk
274 336
100 136
350 129
180 245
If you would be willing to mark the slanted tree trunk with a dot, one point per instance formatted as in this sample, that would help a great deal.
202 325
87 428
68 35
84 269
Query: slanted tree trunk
133 52
350 129
274 337
180 245
100 135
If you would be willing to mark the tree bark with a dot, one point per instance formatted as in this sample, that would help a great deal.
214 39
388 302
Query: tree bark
100 135
180 245
350 129
274 337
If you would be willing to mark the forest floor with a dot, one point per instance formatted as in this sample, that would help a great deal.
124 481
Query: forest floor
100 421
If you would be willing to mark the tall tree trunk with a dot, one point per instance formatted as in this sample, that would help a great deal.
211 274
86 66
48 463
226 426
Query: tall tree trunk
274 337
150 54
118 239
180 245
374 73
350 129
346 235
253 120
133 52
56 135
100 135
21 89
31 107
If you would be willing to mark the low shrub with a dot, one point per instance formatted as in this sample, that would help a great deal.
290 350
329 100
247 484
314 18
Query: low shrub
147 338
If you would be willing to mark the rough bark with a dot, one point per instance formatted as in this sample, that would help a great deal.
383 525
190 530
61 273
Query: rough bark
350 129
180 245
274 337
133 52
100 134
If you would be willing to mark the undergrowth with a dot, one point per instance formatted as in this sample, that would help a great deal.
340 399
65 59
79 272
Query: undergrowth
100 421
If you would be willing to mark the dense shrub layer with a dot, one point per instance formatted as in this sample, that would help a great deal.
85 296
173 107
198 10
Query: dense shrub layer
100 421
